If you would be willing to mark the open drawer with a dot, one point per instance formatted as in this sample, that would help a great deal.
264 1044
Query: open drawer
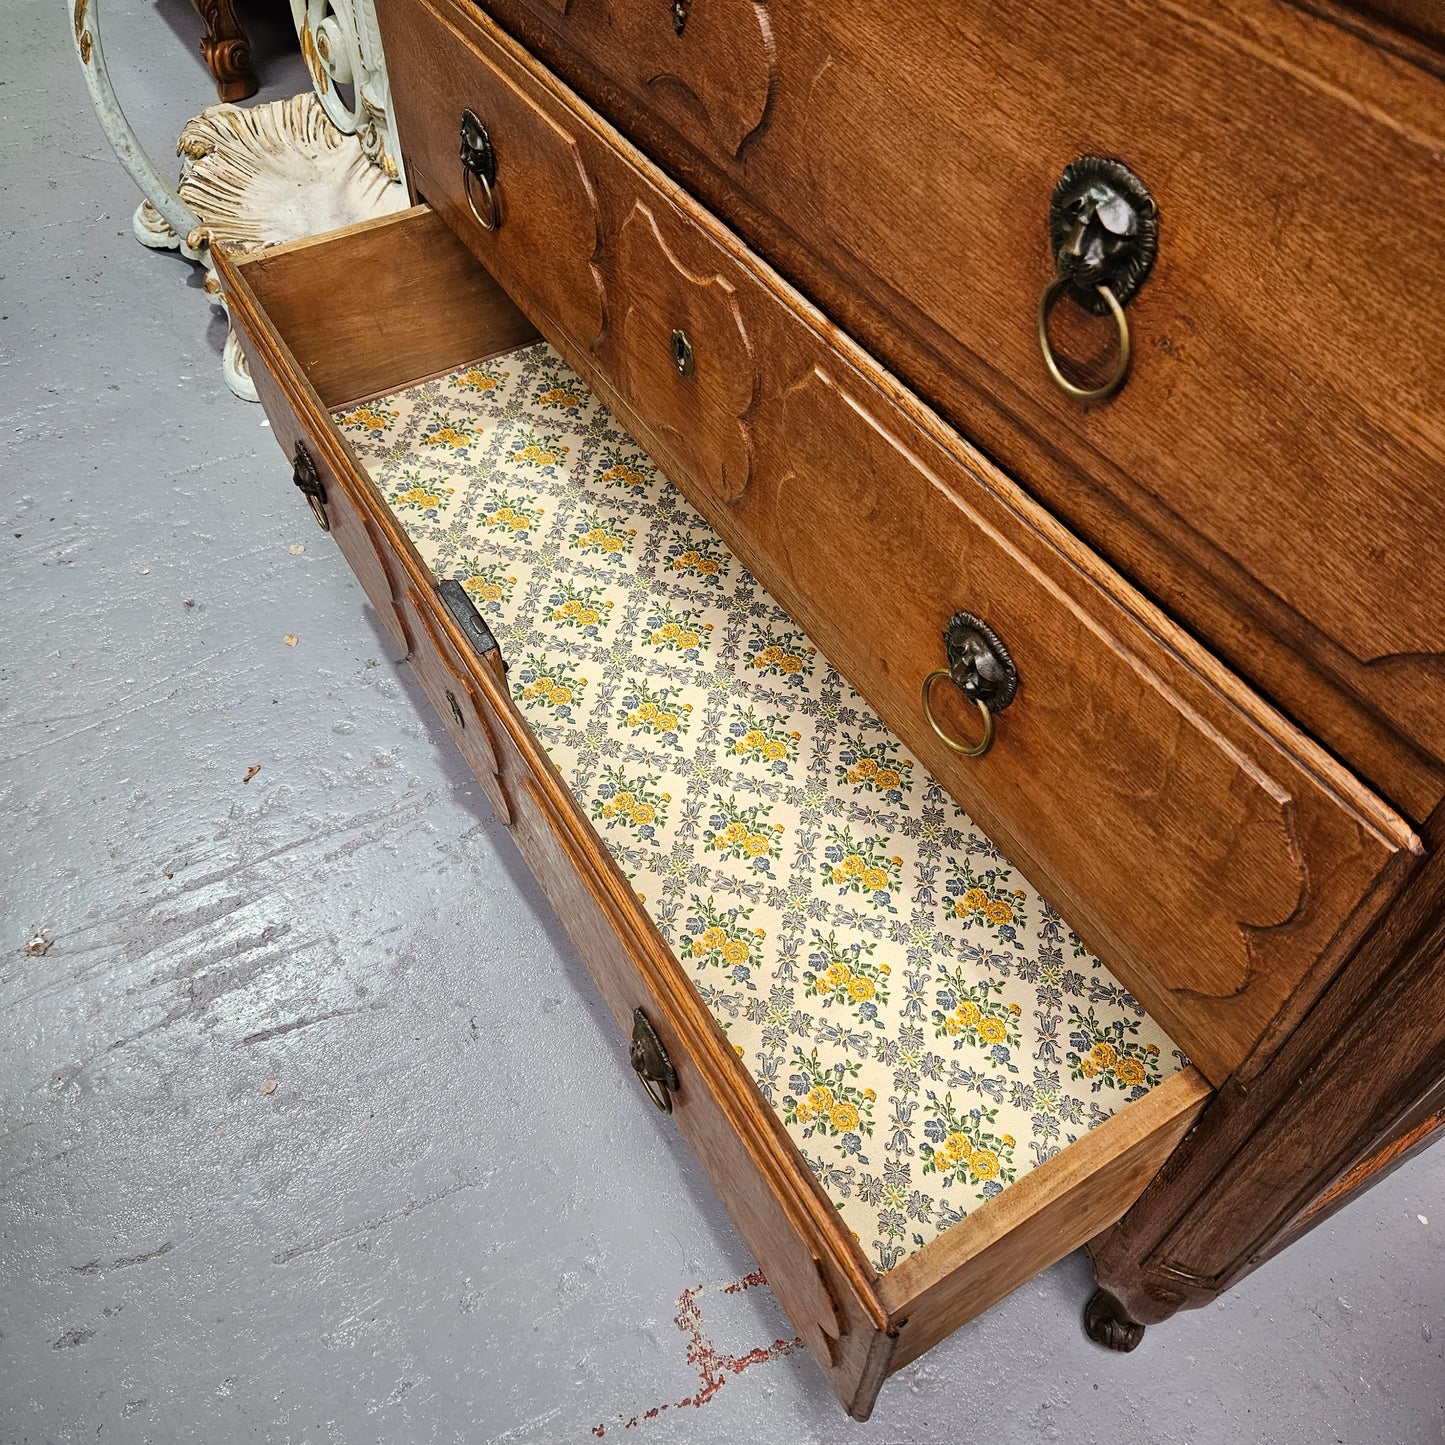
906 1078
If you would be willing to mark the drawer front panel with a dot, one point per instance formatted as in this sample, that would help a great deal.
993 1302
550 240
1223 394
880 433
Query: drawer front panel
1196 855
543 245
709 68
679 351
1281 386
787 1223
444 679
670 338
1206 852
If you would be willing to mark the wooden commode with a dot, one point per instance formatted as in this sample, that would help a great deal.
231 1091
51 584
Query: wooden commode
937 559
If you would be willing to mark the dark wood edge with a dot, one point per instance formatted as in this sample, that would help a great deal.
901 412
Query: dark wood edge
1418 48
1328 1114
1412 1139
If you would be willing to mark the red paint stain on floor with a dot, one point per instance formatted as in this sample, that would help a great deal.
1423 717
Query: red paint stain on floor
714 1367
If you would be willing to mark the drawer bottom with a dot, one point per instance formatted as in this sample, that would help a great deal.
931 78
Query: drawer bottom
925 1026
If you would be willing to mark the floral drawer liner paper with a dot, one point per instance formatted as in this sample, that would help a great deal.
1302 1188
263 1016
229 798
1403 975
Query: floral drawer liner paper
926 1026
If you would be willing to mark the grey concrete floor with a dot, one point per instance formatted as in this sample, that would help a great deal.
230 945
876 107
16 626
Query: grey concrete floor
452 1219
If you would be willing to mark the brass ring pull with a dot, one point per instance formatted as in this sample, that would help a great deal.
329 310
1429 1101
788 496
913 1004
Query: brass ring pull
650 1062
479 163
318 510
308 482
656 1091
968 750
1121 369
487 222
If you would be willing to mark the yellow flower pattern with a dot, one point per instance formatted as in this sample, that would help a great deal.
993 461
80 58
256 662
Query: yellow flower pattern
927 1028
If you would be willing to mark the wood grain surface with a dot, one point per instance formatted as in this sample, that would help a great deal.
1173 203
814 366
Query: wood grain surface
1271 473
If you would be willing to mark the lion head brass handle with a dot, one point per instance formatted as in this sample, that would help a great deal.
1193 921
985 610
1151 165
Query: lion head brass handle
980 667
479 171
308 480
651 1062
1104 230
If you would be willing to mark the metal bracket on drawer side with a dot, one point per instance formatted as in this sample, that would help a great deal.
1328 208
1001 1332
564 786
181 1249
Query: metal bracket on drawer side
464 613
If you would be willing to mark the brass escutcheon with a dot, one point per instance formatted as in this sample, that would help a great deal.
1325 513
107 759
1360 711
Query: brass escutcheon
980 667
1104 236
308 481
682 357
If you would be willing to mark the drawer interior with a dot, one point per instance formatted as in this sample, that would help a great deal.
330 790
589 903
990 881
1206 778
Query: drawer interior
884 973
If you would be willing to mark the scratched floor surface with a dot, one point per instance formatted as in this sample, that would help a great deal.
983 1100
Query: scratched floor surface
453 1218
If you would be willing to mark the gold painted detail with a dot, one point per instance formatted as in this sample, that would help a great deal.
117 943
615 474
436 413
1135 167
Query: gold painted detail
314 63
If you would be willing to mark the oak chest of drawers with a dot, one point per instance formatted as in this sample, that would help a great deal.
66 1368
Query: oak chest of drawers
793 611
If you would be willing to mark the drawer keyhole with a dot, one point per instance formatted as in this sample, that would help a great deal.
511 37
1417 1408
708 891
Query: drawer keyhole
682 359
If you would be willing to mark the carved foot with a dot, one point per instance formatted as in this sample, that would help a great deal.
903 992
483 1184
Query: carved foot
1106 1323
226 50
151 229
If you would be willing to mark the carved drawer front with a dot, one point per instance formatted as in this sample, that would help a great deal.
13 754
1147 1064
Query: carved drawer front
673 344
1281 346
505 171
708 65
678 350
1197 843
